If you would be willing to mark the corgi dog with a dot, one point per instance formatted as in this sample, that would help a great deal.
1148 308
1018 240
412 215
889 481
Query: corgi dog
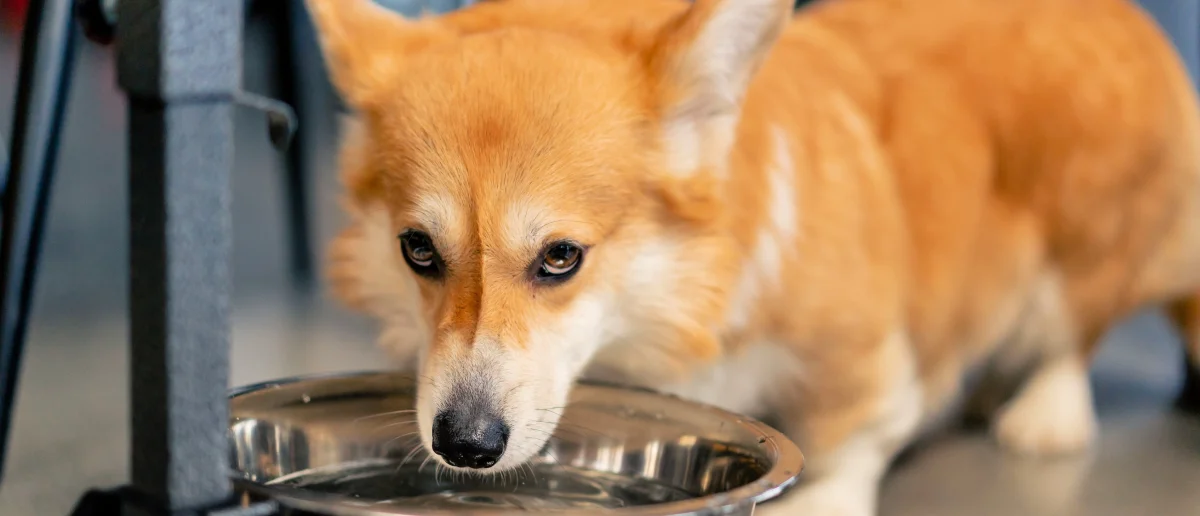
833 220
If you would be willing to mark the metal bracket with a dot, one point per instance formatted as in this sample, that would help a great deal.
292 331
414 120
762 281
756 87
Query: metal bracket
281 118
99 21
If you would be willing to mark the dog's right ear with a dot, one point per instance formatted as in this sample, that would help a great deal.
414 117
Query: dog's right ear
364 44
704 61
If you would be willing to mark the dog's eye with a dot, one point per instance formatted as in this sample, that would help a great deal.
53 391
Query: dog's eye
560 261
420 253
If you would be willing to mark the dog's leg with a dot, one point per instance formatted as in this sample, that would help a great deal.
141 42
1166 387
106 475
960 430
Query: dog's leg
852 440
1053 412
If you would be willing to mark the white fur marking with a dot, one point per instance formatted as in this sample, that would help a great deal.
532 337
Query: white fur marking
1053 412
719 64
682 141
646 315
850 489
386 286
745 295
724 51
1043 326
524 224
743 383
653 264
1030 327
556 352
782 179
848 480
535 381
436 213
766 263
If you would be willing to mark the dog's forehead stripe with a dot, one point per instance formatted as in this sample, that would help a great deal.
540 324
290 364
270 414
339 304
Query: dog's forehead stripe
438 214
525 224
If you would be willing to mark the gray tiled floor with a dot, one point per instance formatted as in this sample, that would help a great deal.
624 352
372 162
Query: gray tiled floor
72 416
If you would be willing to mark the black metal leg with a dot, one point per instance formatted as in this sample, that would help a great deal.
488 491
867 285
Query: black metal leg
294 85
43 83
179 62
1189 395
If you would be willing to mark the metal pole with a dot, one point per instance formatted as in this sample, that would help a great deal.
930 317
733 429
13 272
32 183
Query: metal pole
179 61
43 82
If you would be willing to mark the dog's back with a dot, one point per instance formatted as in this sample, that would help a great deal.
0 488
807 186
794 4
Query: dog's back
1045 159
1048 152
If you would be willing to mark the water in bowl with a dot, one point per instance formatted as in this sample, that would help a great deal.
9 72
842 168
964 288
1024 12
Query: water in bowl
540 487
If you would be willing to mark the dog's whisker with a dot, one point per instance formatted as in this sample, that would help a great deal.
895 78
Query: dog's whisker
562 433
554 425
551 437
532 473
552 411
538 454
408 443
398 437
540 431
571 424
410 455
432 382
566 435
394 424
383 414
554 458
527 464
564 425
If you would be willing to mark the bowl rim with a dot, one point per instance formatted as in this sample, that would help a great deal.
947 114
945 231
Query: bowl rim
783 475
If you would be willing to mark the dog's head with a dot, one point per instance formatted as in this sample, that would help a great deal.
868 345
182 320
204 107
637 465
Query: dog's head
536 188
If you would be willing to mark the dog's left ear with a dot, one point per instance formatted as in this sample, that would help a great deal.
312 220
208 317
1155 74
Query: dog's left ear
704 61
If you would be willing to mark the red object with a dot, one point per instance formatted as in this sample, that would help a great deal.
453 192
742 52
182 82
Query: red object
13 12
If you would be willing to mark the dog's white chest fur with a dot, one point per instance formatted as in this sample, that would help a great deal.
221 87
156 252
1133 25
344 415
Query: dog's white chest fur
746 382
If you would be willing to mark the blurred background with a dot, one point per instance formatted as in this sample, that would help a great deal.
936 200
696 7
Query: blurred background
71 422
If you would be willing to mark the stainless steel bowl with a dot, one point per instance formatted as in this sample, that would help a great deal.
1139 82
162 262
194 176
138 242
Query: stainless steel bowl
346 445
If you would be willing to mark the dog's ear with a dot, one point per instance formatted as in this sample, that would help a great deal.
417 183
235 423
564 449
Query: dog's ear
364 44
704 61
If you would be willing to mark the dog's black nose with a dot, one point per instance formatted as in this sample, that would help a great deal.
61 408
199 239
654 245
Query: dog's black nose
469 442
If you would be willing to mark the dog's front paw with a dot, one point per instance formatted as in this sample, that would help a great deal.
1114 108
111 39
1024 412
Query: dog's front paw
823 500
1053 414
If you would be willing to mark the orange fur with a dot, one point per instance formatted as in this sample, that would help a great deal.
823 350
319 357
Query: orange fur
894 192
